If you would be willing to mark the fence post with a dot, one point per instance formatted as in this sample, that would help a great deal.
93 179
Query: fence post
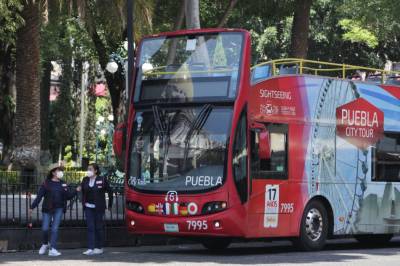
16 198
301 66
343 71
273 69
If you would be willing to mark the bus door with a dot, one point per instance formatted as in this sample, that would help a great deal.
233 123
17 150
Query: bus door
269 189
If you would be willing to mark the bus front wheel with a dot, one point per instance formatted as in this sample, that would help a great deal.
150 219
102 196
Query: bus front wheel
216 244
314 227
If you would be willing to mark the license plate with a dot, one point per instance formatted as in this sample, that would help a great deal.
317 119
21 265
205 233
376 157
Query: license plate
171 228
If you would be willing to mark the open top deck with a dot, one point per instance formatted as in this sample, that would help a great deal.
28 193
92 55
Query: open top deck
298 66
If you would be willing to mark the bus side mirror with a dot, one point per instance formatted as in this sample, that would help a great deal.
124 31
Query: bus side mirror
119 141
264 141
264 145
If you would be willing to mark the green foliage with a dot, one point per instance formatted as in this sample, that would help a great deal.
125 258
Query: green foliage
346 31
14 177
355 33
9 177
103 107
10 20
273 42
74 176
66 33
379 18
68 156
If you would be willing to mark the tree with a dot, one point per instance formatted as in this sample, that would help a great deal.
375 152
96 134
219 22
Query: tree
26 153
10 20
300 28
192 14
373 27
227 13
106 26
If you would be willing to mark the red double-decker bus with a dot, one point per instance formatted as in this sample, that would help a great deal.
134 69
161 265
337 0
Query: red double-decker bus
217 150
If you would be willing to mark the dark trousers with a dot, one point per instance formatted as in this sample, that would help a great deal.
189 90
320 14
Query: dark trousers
95 226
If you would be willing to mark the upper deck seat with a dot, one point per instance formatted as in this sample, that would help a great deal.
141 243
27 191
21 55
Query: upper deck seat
288 70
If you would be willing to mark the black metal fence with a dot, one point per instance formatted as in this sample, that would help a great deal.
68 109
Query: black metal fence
18 191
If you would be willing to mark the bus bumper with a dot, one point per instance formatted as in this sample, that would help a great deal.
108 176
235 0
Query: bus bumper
228 223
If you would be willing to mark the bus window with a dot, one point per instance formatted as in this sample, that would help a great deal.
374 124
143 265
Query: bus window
240 158
260 73
386 161
189 68
273 166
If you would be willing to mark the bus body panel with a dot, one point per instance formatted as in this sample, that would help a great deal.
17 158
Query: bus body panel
231 220
324 159
234 220
336 167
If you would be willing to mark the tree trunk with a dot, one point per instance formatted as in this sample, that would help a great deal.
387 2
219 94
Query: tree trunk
116 86
227 13
300 29
26 152
193 22
177 26
192 14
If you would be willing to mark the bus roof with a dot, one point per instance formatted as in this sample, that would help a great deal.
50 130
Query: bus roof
195 31
320 68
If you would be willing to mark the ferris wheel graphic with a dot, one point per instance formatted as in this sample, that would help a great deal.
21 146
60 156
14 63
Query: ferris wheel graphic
338 169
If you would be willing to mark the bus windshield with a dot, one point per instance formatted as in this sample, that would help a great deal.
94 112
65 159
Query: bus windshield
182 150
189 68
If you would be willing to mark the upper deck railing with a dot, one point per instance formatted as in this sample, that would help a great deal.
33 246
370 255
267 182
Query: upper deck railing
298 66
304 66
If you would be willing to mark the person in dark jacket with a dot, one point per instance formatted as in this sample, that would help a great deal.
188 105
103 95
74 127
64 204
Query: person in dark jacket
56 194
94 187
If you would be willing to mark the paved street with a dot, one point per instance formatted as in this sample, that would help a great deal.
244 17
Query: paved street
343 252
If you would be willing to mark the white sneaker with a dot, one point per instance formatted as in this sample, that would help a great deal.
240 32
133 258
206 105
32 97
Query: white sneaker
43 249
88 252
98 251
54 253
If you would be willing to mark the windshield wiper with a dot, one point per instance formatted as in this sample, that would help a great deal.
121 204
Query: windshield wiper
195 126
159 123
164 130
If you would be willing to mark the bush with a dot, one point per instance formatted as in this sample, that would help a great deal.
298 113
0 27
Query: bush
73 176
9 177
14 177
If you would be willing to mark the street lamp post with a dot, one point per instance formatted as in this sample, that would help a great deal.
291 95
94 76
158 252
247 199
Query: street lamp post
1 151
85 68
129 21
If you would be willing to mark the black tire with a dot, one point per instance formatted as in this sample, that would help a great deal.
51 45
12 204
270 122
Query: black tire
216 244
314 219
374 239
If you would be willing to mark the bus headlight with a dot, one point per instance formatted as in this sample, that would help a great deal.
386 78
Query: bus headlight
217 225
214 206
134 206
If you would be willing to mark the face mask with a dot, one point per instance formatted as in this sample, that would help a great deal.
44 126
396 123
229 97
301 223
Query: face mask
60 174
90 173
